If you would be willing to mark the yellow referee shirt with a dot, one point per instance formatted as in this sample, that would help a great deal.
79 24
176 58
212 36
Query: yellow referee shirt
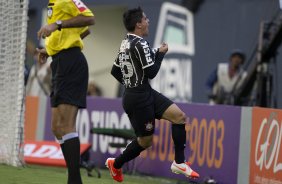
67 37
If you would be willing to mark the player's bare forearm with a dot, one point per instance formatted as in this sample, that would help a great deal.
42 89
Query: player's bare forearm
85 33
78 21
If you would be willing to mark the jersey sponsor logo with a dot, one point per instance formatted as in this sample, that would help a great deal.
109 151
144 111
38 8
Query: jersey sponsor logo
80 5
49 12
147 53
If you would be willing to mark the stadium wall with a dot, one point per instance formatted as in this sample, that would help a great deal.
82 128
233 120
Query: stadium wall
219 27
224 142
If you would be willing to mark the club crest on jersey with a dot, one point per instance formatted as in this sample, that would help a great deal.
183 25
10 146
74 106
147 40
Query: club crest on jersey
49 12
149 126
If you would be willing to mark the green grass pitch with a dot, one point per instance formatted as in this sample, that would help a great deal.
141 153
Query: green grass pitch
34 174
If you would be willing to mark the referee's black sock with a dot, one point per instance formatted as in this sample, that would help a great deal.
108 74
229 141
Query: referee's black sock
131 151
71 151
179 139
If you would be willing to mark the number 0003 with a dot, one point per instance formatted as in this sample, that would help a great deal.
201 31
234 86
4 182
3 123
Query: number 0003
206 142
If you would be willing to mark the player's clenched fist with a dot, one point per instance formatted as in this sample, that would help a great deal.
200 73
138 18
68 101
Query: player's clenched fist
163 48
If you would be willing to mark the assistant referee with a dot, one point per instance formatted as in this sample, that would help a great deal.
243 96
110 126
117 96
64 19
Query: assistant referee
67 25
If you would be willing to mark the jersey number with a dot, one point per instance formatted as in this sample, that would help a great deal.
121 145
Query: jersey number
127 69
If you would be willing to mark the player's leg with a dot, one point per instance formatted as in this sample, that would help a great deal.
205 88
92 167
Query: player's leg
133 150
174 114
143 123
166 109
63 127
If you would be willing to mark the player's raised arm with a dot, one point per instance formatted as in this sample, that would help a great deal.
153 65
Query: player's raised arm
151 61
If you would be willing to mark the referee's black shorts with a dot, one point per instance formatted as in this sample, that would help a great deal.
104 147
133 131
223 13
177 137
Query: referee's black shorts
69 78
143 105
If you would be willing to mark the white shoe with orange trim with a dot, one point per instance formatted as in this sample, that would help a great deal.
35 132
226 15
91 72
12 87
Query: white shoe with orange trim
184 168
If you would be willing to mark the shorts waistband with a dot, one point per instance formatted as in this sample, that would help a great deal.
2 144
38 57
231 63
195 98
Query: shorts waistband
73 49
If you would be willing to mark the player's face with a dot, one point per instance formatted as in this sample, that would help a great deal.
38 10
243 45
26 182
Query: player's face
145 25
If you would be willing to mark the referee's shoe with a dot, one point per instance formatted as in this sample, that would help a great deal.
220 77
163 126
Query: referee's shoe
185 169
115 173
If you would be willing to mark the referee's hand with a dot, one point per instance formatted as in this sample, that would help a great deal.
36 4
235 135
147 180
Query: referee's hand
46 30
163 48
42 55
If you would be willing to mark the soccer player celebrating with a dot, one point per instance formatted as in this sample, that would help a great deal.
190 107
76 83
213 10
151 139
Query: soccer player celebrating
68 22
135 64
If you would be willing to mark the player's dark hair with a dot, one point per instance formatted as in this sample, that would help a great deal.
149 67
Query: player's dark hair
131 18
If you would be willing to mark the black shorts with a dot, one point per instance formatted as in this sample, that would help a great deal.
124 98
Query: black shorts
69 78
143 105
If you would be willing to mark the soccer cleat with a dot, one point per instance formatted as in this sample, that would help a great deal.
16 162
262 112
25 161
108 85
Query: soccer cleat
115 173
185 169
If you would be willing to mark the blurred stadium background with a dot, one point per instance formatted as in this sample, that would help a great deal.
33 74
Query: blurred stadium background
235 143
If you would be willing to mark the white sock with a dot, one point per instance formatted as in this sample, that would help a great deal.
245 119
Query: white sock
70 136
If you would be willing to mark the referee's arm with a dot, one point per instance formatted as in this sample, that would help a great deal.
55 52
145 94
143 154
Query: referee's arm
78 21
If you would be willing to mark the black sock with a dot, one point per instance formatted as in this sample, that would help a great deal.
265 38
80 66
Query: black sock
179 139
131 151
71 151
